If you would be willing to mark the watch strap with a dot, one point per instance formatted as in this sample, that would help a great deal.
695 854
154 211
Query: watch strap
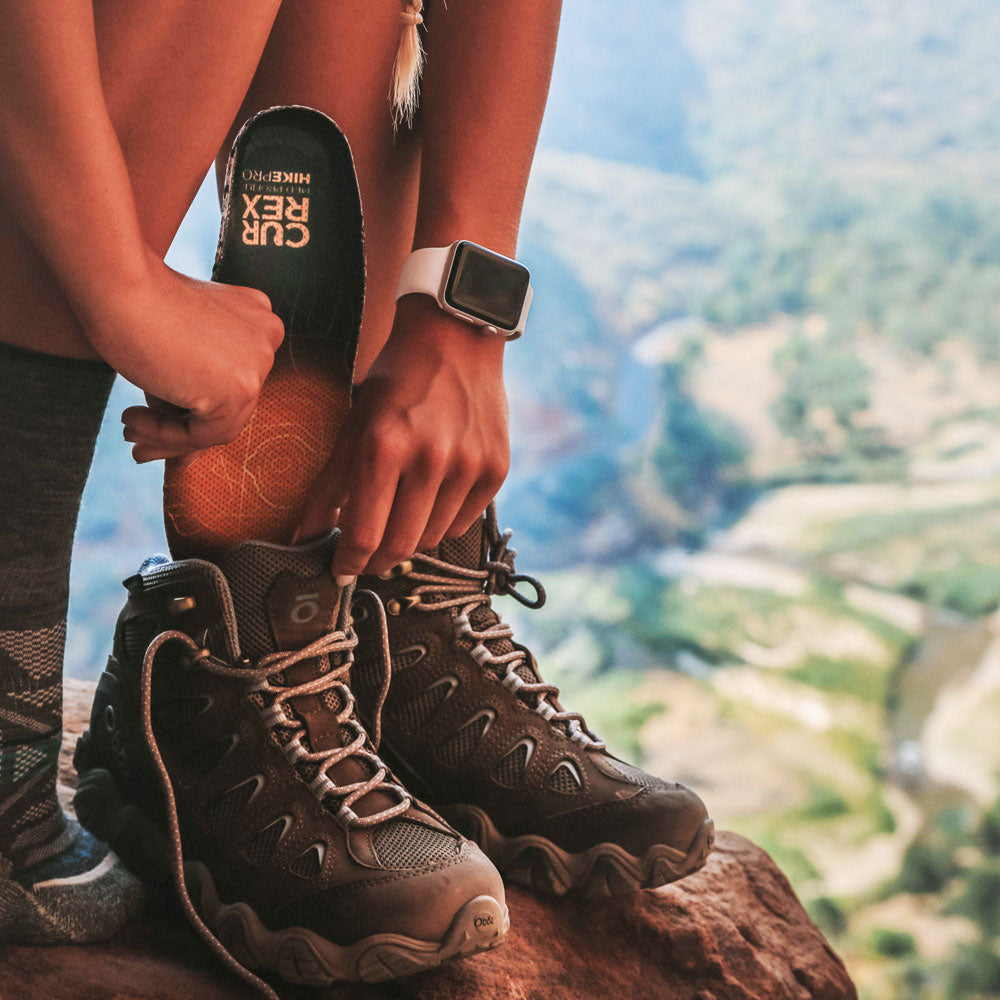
425 272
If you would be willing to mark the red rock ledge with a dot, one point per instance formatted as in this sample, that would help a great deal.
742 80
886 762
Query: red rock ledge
734 931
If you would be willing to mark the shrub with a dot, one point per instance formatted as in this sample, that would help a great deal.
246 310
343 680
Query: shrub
892 943
926 868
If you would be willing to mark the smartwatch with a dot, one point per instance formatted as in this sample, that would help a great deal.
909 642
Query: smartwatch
486 289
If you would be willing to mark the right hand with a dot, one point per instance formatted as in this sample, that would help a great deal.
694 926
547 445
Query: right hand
198 349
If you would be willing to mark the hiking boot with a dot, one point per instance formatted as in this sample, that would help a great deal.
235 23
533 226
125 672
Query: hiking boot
224 729
470 725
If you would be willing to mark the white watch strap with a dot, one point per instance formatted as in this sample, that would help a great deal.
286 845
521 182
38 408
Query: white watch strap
425 271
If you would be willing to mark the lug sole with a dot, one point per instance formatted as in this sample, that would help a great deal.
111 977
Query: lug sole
304 957
606 869
297 954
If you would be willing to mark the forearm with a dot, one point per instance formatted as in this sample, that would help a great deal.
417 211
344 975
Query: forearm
483 95
65 179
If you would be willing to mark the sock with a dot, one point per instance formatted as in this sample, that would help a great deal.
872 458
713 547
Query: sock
50 413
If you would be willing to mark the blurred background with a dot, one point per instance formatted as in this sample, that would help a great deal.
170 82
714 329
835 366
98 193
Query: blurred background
755 438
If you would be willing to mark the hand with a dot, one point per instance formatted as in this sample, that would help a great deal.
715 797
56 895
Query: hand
424 448
199 350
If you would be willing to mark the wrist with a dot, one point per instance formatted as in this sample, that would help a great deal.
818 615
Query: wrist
420 323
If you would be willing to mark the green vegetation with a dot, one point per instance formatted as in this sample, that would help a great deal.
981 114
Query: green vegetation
891 943
926 868
842 676
824 802
975 973
696 454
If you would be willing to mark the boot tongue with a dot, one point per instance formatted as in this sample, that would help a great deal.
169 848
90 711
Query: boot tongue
285 597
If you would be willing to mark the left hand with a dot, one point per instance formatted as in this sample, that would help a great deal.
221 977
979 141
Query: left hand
424 447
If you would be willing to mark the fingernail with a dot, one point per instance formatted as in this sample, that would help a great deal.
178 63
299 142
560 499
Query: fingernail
343 581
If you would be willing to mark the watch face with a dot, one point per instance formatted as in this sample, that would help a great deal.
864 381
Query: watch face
487 286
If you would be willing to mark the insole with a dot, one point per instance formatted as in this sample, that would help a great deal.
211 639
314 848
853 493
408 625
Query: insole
291 227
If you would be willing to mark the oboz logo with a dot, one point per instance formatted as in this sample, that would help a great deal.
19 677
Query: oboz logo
481 922
305 608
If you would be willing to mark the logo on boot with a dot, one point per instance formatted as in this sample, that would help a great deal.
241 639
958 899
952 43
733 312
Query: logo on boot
480 922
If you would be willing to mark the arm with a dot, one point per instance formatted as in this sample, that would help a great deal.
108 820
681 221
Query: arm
67 187
426 446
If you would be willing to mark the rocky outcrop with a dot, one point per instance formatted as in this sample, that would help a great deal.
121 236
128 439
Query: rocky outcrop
734 931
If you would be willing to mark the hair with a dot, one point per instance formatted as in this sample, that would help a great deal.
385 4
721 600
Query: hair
408 65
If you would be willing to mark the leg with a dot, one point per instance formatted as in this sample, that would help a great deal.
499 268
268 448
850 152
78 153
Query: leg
168 69
174 75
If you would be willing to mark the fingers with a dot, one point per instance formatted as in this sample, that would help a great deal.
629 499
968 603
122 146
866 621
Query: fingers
371 488
328 493
174 432
479 497
141 454
451 496
253 305
397 503
411 510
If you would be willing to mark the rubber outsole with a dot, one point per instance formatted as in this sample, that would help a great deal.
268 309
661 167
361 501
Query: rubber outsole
297 954
304 957
603 870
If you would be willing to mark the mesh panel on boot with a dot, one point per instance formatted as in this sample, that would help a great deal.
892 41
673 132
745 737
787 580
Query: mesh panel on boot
263 844
307 865
405 844
635 775
408 657
564 780
466 550
331 700
416 712
221 811
510 770
456 748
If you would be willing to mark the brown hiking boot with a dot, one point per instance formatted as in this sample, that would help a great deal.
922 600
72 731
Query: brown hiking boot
301 852
471 726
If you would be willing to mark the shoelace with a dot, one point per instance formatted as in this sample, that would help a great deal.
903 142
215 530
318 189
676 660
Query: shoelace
464 589
266 668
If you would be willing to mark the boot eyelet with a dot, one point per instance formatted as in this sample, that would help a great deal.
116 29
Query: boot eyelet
397 606
400 569
191 660
109 718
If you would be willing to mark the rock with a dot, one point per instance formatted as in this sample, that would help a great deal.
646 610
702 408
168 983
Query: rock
734 931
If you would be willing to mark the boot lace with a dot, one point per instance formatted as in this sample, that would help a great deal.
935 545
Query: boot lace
442 585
